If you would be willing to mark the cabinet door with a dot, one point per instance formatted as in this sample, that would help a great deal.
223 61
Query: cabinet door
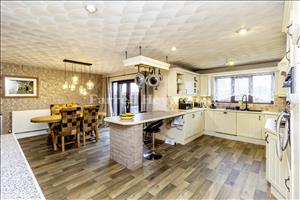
285 180
172 83
189 84
249 125
205 86
225 122
210 120
202 121
273 163
188 125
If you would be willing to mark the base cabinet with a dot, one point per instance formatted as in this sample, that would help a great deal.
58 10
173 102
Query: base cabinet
250 125
277 172
221 121
193 128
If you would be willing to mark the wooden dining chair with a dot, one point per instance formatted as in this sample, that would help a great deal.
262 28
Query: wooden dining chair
70 126
55 108
90 122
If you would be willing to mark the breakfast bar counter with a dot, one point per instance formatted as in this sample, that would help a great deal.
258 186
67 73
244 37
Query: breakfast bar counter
126 137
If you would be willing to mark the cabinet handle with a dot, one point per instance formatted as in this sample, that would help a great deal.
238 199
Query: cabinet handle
266 138
259 118
285 182
225 112
288 30
286 55
193 115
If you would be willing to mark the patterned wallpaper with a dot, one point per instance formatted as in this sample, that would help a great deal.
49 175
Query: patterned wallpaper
50 91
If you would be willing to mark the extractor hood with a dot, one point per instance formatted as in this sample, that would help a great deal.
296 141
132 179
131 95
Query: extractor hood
144 61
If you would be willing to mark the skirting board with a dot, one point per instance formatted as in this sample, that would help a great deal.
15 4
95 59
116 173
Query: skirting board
235 137
31 134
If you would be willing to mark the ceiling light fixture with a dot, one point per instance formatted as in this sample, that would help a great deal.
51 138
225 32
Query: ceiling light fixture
91 8
230 62
174 49
242 31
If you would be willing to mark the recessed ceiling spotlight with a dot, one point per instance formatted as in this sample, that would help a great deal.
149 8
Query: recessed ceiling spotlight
242 31
173 49
230 62
91 8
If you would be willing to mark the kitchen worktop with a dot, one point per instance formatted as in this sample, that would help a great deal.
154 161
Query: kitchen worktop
141 118
17 179
241 111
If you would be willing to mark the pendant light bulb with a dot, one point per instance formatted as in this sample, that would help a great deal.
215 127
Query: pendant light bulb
84 93
75 79
65 86
81 89
90 85
72 87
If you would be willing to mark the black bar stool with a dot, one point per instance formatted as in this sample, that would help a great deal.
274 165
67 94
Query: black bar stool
152 129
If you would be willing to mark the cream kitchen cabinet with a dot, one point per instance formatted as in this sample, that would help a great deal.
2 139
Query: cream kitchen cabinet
182 83
193 128
205 85
250 125
193 123
277 172
223 122
210 120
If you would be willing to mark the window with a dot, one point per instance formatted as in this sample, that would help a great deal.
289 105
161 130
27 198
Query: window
259 88
223 89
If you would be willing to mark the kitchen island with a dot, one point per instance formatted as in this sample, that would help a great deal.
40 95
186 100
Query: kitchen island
126 137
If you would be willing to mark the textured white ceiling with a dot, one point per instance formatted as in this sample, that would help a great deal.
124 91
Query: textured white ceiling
44 33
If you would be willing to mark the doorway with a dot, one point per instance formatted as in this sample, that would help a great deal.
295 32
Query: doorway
125 97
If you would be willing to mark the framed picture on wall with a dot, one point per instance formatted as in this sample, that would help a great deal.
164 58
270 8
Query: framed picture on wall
18 86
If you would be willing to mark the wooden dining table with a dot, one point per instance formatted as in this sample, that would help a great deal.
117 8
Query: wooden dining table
54 120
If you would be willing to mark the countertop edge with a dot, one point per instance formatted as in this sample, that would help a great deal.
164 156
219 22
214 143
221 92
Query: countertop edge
27 172
30 170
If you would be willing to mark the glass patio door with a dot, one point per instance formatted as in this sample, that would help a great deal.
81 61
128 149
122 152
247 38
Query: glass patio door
125 97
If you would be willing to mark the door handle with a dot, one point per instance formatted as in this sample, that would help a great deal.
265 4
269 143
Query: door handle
266 138
285 182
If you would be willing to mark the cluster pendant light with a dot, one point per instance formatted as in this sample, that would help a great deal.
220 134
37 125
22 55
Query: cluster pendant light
75 79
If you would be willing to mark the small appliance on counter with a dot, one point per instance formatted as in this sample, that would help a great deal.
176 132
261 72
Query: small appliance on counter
198 104
212 105
185 104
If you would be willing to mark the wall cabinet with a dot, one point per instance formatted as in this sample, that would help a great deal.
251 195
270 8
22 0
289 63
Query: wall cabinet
277 172
205 85
183 83
250 125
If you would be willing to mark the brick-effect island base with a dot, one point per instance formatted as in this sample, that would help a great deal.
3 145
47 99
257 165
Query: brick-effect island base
126 145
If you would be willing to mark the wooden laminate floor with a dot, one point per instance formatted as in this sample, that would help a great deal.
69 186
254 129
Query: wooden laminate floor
207 168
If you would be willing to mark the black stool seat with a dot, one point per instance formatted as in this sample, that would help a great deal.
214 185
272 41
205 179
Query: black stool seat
153 128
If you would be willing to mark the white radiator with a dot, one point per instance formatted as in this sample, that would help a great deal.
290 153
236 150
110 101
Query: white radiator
21 120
